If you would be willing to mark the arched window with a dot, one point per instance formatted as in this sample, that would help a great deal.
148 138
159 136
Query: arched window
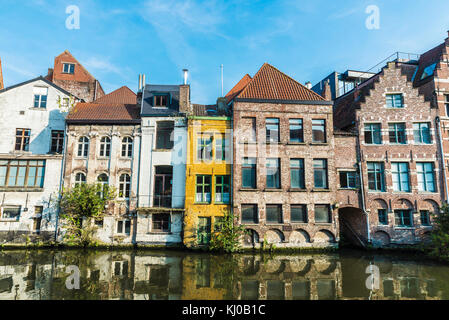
105 147
127 147
124 186
83 147
103 179
80 178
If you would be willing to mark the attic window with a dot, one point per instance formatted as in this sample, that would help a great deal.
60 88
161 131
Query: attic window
428 71
68 68
160 101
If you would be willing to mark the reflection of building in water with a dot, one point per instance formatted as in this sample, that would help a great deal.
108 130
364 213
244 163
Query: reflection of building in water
289 278
205 278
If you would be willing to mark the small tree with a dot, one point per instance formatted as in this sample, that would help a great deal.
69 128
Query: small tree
440 235
227 235
83 201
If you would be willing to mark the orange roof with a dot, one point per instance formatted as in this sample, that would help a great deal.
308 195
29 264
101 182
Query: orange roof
238 88
122 95
118 106
271 84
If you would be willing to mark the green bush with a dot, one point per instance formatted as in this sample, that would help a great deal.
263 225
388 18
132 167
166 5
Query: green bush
227 235
439 247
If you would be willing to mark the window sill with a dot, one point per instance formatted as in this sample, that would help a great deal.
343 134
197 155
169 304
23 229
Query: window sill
299 223
321 190
296 143
319 144
403 192
274 224
404 228
20 189
103 158
248 142
202 203
297 190
324 223
80 158
250 224
38 109
273 190
160 233
349 189
272 143
248 189
9 220
125 158
163 150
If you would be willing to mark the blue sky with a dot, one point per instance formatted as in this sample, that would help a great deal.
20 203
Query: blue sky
117 40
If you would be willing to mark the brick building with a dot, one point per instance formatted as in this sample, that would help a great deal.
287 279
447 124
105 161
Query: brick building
284 186
70 75
397 154
103 146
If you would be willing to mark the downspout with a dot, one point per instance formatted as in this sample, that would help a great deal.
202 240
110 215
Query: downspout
440 142
61 181
362 185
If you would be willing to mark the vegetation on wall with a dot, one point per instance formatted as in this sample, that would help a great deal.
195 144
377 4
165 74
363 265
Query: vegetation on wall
227 235
439 247
84 201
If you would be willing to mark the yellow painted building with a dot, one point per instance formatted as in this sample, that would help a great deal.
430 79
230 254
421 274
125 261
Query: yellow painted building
208 176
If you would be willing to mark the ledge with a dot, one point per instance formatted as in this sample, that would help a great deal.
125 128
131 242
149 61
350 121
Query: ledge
151 210
296 143
20 189
248 190
321 190
319 143
273 190
297 190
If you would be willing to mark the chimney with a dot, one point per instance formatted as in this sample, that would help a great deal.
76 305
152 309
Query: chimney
309 85
50 74
186 75
327 93
1 76
184 99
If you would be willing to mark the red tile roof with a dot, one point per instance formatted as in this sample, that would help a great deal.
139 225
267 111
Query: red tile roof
122 95
238 88
118 106
271 84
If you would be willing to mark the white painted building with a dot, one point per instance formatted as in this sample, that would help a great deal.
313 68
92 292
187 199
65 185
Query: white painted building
32 128
162 168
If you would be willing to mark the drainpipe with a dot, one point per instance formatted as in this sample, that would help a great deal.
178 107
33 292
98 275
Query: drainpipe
61 181
362 185
440 142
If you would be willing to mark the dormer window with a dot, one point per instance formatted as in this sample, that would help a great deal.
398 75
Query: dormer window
68 68
160 101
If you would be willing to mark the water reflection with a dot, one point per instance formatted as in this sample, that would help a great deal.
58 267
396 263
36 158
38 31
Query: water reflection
143 275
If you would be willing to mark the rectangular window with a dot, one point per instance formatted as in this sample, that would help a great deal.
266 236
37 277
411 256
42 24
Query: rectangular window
68 68
57 141
298 213
296 131
348 179
164 135
124 227
204 231
274 213
397 133
221 148
297 174
272 130
323 213
160 101
320 173
395 100
400 174
425 217
38 210
161 222
376 176
11 213
403 218
22 173
421 132
447 104
383 216
40 97
163 186
426 177
249 173
23 139
249 130
273 174
373 133
222 189
319 131
203 189
250 213
204 148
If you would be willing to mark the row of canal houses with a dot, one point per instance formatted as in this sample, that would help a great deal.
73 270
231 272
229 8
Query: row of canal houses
360 156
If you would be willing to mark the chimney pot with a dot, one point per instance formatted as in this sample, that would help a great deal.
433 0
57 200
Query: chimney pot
186 75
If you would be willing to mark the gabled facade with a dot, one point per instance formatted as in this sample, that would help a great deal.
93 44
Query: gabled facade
69 74
162 166
284 186
209 172
32 127
398 164
103 146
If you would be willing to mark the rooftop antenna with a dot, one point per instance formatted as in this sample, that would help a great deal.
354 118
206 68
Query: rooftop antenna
221 80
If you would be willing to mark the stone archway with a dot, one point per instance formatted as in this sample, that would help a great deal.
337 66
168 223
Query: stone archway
353 228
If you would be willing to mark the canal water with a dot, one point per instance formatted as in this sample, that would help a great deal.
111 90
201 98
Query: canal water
155 275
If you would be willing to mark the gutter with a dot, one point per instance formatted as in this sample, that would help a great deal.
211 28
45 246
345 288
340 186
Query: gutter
440 143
